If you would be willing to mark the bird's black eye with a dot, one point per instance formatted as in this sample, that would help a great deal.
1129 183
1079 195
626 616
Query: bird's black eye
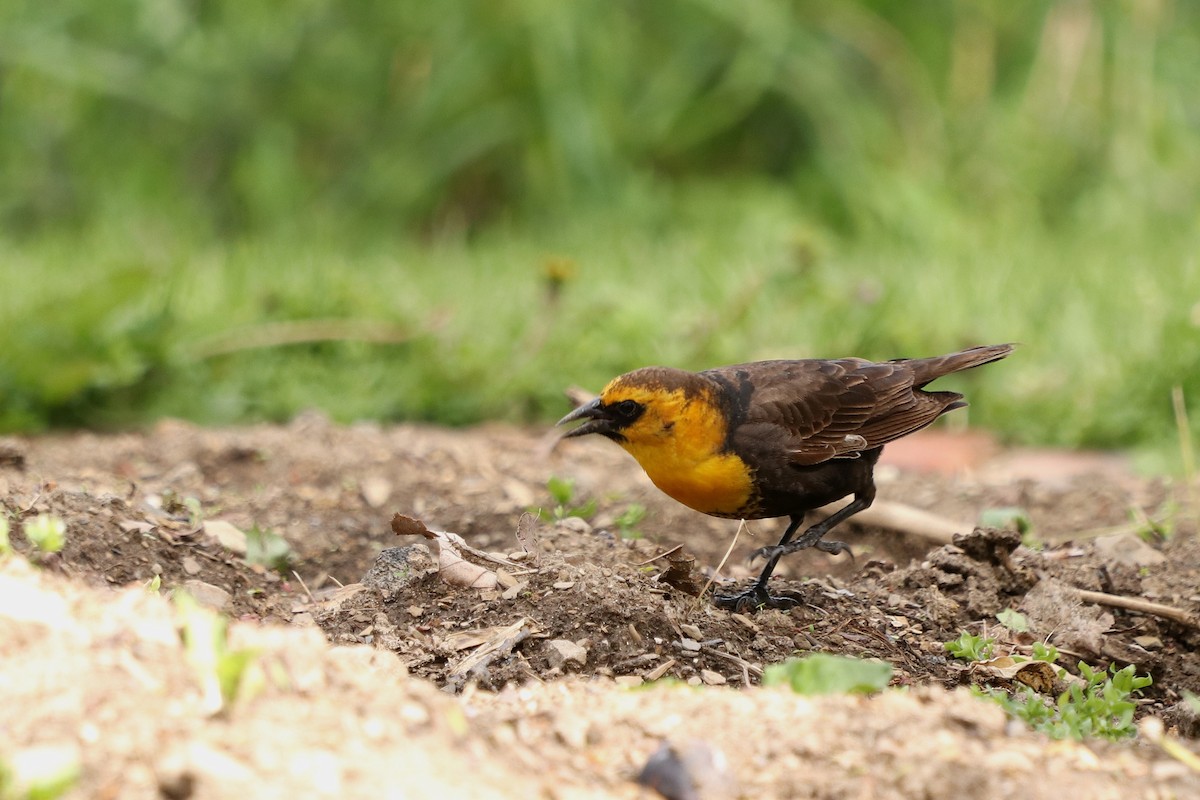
627 410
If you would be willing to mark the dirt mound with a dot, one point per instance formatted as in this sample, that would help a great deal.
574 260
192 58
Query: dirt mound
572 615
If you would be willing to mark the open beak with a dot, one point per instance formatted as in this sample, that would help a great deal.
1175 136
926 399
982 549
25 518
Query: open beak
598 420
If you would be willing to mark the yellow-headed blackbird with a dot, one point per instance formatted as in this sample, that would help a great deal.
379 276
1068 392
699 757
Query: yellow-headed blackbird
773 438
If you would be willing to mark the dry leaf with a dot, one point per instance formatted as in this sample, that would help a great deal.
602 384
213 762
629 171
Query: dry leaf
527 537
457 571
407 526
1037 675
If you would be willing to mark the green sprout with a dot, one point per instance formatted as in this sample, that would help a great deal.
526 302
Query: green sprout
562 490
5 544
822 673
225 673
1013 620
268 549
39 773
970 647
629 519
1099 707
46 532
1045 652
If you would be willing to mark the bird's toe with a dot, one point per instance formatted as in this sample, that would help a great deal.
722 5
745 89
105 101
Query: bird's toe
833 548
752 600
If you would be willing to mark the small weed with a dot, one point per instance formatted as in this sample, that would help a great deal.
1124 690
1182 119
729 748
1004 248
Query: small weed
1013 620
1045 652
822 673
629 519
46 532
268 549
1008 517
970 647
186 507
562 490
5 544
1193 701
1160 527
225 673
39 773
154 585
1100 707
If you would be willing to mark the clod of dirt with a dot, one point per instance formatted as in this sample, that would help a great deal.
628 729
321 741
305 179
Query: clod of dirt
208 595
12 454
227 535
1184 717
1127 549
560 652
976 573
681 572
1054 611
990 545
396 568
692 771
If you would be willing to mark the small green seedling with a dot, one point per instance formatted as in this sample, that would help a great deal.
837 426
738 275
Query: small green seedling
1192 701
1008 517
5 544
154 585
1099 707
225 674
1045 652
46 532
821 673
970 647
563 492
39 773
629 519
1013 620
1160 527
268 549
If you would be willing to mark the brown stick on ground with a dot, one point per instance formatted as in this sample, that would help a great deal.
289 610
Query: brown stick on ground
905 519
1141 606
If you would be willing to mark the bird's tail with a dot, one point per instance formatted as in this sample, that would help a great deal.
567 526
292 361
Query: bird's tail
929 369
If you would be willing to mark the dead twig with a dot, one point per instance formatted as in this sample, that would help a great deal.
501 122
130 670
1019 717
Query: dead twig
663 554
746 667
736 534
1140 606
905 519
304 585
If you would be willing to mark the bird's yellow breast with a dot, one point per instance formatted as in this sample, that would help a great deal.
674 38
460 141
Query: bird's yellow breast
679 442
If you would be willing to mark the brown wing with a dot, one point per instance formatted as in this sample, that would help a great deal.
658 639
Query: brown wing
820 410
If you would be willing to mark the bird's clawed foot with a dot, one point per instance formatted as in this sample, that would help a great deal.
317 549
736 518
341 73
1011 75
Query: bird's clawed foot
833 548
752 600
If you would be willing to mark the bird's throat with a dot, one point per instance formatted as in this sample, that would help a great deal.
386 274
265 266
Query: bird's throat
712 482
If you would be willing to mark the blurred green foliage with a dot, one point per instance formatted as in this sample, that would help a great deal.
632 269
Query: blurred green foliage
249 116
532 193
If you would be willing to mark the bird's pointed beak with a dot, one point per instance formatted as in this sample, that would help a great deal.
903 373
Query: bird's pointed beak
598 420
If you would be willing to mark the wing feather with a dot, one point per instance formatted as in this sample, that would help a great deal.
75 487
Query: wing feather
836 409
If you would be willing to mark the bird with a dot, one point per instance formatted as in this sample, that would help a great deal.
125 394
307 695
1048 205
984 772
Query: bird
774 438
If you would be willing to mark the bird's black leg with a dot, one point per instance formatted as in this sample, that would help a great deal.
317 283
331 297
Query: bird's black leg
813 536
757 595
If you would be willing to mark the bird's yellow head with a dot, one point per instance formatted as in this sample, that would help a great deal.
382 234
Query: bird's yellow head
644 407
672 422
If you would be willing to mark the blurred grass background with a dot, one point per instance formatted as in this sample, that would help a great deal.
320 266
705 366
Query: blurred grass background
231 210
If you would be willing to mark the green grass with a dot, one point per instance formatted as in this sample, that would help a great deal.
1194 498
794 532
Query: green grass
116 330
468 207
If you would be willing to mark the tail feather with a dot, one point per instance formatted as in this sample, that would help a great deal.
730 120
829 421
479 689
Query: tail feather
926 370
